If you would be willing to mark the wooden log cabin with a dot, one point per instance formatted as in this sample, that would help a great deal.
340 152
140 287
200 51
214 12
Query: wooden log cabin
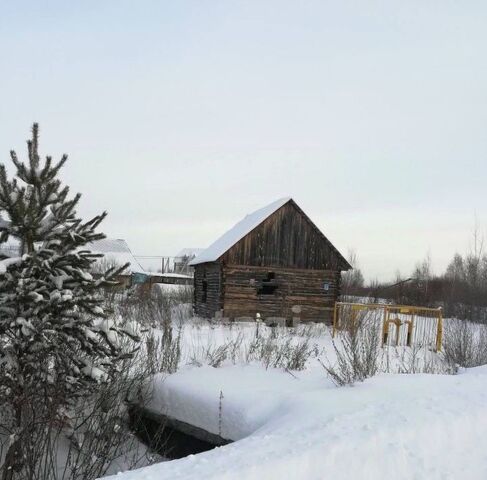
271 261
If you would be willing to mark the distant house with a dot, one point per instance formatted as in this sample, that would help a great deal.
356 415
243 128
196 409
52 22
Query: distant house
116 253
271 261
183 259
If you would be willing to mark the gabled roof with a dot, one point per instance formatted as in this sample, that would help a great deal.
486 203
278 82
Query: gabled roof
242 228
249 223
117 250
113 249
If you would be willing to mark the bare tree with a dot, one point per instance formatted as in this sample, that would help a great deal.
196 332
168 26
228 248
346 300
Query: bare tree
353 279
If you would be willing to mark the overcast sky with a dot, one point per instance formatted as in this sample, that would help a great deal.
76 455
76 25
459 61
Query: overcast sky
180 117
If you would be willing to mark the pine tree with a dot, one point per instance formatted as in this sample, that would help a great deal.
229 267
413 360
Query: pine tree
56 341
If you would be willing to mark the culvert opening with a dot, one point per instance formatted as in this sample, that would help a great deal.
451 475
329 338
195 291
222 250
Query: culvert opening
169 437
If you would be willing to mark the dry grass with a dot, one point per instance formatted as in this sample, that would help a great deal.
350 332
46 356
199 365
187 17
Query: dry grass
465 344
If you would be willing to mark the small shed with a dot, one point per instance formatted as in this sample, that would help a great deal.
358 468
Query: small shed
271 261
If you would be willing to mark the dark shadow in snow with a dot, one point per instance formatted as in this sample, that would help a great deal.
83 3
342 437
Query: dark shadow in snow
169 437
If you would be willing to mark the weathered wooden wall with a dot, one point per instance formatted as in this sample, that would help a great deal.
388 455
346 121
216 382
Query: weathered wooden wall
294 287
212 272
289 246
286 239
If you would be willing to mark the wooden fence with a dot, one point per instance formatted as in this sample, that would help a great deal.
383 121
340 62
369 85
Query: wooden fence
400 325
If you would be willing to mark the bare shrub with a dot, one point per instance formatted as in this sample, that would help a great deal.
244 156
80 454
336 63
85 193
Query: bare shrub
177 295
294 356
159 309
358 348
101 440
310 330
416 359
272 347
278 352
89 439
163 352
216 356
465 343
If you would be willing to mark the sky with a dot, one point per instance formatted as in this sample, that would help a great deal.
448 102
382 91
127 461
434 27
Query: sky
181 117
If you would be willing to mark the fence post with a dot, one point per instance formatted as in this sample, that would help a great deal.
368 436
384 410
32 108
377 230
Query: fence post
410 323
439 331
385 326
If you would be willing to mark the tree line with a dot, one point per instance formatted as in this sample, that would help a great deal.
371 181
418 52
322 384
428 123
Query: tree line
461 290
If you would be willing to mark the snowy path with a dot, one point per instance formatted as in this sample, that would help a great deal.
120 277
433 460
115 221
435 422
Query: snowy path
390 427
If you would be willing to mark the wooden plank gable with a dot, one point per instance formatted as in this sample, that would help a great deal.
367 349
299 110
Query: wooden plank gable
287 238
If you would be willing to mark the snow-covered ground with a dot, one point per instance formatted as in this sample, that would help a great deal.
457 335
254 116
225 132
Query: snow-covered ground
168 288
391 426
299 425
201 340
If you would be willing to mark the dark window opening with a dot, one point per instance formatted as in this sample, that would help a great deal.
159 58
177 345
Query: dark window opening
268 286
204 295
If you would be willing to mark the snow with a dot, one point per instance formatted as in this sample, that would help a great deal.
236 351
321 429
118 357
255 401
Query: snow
242 228
109 245
169 287
4 264
391 426
108 327
192 395
299 425
114 250
95 373
117 251
169 275
9 249
27 327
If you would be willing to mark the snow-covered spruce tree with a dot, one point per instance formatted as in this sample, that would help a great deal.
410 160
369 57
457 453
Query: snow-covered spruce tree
56 341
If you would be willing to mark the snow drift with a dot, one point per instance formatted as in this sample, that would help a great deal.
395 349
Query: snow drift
390 426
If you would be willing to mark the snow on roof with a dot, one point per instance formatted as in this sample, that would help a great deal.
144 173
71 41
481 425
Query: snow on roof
242 228
117 250
9 249
113 249
110 245
169 275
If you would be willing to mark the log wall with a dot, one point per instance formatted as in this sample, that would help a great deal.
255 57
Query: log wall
294 287
212 273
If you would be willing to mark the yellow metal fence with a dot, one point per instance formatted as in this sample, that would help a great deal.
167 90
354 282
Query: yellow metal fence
400 325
